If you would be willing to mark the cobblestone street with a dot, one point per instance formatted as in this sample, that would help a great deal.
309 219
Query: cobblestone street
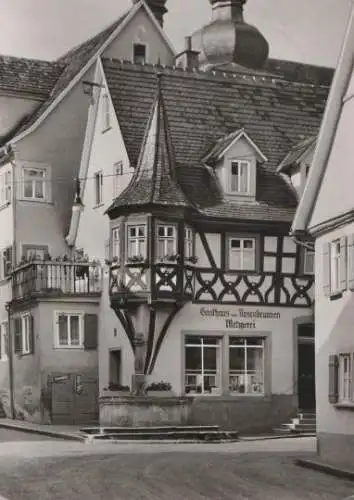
53 470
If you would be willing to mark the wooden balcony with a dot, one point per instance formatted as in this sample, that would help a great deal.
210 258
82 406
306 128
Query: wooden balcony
166 282
160 282
39 279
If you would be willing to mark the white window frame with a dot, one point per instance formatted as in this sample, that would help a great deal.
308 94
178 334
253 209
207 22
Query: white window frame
26 329
166 240
188 243
137 241
5 187
33 197
345 378
245 376
309 254
242 240
4 332
3 274
135 61
335 264
117 175
115 242
69 314
98 188
199 377
106 113
237 190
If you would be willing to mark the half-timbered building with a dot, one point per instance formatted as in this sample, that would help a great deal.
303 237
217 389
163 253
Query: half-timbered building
205 289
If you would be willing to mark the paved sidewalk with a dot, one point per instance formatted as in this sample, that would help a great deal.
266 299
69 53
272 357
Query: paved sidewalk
69 433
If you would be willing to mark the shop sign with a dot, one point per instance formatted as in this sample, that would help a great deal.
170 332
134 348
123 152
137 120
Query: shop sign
239 318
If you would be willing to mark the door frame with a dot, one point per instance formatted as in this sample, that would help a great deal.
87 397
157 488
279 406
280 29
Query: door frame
296 341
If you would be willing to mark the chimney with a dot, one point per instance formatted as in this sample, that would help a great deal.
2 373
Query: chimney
188 59
157 7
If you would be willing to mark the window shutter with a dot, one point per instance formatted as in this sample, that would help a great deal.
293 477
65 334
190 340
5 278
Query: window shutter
18 335
31 335
350 262
326 283
343 263
333 379
90 331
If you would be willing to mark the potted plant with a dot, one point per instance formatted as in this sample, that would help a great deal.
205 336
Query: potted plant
135 259
159 389
193 259
115 389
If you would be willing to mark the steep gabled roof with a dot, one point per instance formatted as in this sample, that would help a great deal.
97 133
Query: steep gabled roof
327 132
33 77
206 107
154 181
296 153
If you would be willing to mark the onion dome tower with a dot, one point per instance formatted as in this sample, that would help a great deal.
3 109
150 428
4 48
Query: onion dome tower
228 39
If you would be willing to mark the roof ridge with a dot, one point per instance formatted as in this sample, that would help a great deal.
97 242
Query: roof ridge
212 74
31 59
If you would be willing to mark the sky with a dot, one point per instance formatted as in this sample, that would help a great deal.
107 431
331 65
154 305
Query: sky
309 31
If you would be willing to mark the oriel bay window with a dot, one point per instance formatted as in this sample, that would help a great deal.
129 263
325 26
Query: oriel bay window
242 254
136 243
246 365
166 245
202 364
116 243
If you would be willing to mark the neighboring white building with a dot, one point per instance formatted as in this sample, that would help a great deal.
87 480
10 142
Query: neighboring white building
326 214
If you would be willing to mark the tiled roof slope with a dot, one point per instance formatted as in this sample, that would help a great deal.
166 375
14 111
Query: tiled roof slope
73 62
203 108
30 76
154 181
300 72
296 152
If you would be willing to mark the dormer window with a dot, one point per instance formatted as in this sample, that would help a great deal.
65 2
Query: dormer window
139 55
240 176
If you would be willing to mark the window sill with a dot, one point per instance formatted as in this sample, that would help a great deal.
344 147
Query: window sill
344 406
36 200
69 347
231 397
99 205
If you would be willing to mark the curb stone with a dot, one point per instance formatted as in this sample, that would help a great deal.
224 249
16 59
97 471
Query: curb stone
326 468
43 432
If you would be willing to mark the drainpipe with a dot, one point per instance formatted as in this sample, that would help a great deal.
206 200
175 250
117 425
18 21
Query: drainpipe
11 363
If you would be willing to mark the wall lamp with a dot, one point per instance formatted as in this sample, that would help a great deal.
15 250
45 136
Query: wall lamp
88 88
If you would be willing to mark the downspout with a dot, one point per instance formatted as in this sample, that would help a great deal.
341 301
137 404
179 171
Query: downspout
11 363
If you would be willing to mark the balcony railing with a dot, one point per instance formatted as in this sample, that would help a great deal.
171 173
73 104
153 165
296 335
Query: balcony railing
60 278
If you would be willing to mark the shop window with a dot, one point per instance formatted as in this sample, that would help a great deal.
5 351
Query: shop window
242 253
136 242
69 330
166 242
202 365
246 365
